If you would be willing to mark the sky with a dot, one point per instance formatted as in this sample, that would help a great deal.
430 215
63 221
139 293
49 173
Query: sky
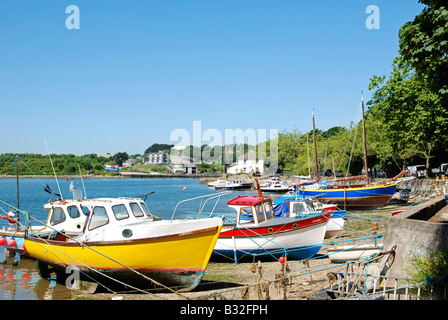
133 72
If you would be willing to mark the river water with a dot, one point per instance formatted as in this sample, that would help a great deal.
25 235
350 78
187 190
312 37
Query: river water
20 281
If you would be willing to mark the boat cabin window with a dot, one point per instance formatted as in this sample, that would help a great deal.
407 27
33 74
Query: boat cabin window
58 216
145 208
85 210
99 218
268 209
260 213
298 207
120 212
311 207
246 215
136 210
73 212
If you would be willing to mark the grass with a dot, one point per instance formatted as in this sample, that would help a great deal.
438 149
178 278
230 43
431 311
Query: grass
431 269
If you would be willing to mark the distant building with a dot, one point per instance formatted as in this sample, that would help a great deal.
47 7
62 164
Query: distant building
104 155
184 164
247 166
129 163
157 158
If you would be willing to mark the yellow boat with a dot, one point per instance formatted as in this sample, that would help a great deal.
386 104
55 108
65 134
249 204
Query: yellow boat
123 241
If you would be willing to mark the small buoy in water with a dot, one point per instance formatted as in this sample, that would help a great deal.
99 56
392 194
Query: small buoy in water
281 260
15 262
2 241
12 242
185 188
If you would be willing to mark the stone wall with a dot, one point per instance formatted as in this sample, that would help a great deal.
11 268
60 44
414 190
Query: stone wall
411 232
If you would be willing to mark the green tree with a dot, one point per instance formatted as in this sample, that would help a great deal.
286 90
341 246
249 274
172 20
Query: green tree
414 119
120 157
424 44
156 147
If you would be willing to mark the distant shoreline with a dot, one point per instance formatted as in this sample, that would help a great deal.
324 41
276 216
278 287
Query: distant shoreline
134 175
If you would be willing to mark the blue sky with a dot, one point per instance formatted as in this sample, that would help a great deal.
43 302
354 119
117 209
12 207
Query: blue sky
137 70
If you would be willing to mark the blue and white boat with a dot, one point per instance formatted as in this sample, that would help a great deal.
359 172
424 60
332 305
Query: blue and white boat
290 206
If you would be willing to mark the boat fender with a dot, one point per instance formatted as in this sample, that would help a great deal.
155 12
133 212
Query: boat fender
12 242
2 241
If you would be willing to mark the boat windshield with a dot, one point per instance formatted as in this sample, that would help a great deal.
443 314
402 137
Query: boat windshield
260 213
311 207
145 209
298 207
136 210
99 218
268 209
57 217
246 215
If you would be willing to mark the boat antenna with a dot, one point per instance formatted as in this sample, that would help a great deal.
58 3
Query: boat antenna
364 135
56 178
82 181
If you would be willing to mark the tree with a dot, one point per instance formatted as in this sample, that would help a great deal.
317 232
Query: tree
414 118
156 147
424 45
120 157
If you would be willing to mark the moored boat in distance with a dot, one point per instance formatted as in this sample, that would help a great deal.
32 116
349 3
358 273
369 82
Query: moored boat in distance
350 196
275 186
122 240
232 184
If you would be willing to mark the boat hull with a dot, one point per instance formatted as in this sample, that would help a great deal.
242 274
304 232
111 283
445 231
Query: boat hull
178 261
298 238
361 197
342 254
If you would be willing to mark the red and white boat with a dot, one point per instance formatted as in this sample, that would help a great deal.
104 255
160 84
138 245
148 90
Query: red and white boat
256 231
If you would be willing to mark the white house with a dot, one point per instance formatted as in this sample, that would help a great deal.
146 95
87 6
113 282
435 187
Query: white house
157 158
247 166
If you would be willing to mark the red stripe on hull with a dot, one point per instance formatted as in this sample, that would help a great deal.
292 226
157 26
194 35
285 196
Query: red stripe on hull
269 230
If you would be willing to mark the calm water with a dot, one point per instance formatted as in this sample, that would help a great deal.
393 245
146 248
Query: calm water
23 282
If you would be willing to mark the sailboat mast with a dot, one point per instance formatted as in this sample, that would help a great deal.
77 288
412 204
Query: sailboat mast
17 181
315 150
366 167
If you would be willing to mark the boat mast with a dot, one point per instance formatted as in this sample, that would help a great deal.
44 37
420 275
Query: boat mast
315 150
17 180
366 167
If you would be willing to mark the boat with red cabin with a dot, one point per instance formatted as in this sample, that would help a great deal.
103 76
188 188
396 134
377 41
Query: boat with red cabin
257 232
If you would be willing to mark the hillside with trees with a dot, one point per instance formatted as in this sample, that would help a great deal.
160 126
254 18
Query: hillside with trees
64 164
